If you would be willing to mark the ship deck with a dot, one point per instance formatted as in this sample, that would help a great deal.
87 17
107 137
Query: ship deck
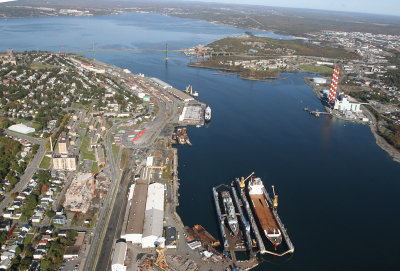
264 214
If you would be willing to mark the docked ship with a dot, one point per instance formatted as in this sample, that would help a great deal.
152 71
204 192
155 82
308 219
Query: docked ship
207 114
230 212
263 211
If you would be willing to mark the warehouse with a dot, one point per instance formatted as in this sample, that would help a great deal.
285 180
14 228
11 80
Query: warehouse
154 215
134 227
118 259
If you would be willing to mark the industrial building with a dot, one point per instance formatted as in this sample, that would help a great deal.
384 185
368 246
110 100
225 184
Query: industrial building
134 226
319 80
154 215
21 128
191 113
118 259
343 104
173 91
64 162
62 159
146 214
170 237
79 194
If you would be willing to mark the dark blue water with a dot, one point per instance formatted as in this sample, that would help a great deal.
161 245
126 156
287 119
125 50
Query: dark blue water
338 191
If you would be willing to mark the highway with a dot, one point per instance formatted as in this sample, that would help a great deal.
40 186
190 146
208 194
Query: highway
102 223
29 171
114 229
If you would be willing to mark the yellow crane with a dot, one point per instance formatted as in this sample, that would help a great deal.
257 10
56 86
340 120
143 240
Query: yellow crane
189 90
243 180
275 200
161 262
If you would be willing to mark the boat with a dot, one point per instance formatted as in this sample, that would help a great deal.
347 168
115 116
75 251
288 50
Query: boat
207 113
230 212
263 211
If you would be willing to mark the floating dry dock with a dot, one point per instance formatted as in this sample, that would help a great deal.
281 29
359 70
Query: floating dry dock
220 218
248 222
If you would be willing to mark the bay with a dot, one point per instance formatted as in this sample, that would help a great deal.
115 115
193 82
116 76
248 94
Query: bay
338 191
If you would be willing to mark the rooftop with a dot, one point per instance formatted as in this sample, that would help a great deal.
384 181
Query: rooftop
136 212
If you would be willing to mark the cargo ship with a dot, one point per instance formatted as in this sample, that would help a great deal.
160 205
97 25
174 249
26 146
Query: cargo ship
230 212
263 211
207 114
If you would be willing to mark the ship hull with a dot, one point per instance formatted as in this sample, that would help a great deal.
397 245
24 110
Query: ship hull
266 218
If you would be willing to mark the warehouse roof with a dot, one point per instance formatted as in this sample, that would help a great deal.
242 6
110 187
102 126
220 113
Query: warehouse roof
136 212
155 197
119 253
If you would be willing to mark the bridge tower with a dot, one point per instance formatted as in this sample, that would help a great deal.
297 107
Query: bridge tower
166 51
94 52
334 84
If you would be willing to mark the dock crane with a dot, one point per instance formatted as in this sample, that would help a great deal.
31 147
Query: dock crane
243 180
161 262
275 200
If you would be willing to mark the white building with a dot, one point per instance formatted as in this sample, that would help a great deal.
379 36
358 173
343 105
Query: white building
319 80
345 105
21 128
154 215
118 258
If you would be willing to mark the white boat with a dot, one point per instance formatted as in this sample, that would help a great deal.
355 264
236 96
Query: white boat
207 114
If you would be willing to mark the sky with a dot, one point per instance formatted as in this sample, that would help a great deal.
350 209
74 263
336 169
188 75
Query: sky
386 7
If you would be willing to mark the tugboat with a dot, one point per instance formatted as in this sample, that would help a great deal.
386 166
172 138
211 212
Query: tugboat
230 212
207 114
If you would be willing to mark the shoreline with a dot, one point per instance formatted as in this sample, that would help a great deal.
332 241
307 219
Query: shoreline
379 140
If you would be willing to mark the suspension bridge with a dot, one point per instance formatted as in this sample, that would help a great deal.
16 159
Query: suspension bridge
96 48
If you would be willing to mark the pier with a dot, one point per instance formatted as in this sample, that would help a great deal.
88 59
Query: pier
316 113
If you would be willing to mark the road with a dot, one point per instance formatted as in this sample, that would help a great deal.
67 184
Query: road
105 234
114 229
29 171
102 223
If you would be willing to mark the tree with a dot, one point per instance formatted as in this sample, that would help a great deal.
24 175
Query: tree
50 213
44 188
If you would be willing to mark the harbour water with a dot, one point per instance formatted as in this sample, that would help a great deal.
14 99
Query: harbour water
338 191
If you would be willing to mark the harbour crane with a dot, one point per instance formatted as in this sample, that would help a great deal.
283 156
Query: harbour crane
275 200
161 262
243 180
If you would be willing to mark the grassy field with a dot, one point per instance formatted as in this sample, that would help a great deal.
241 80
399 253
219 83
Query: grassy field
95 167
82 125
115 150
45 164
77 106
124 158
86 154
41 66
317 69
